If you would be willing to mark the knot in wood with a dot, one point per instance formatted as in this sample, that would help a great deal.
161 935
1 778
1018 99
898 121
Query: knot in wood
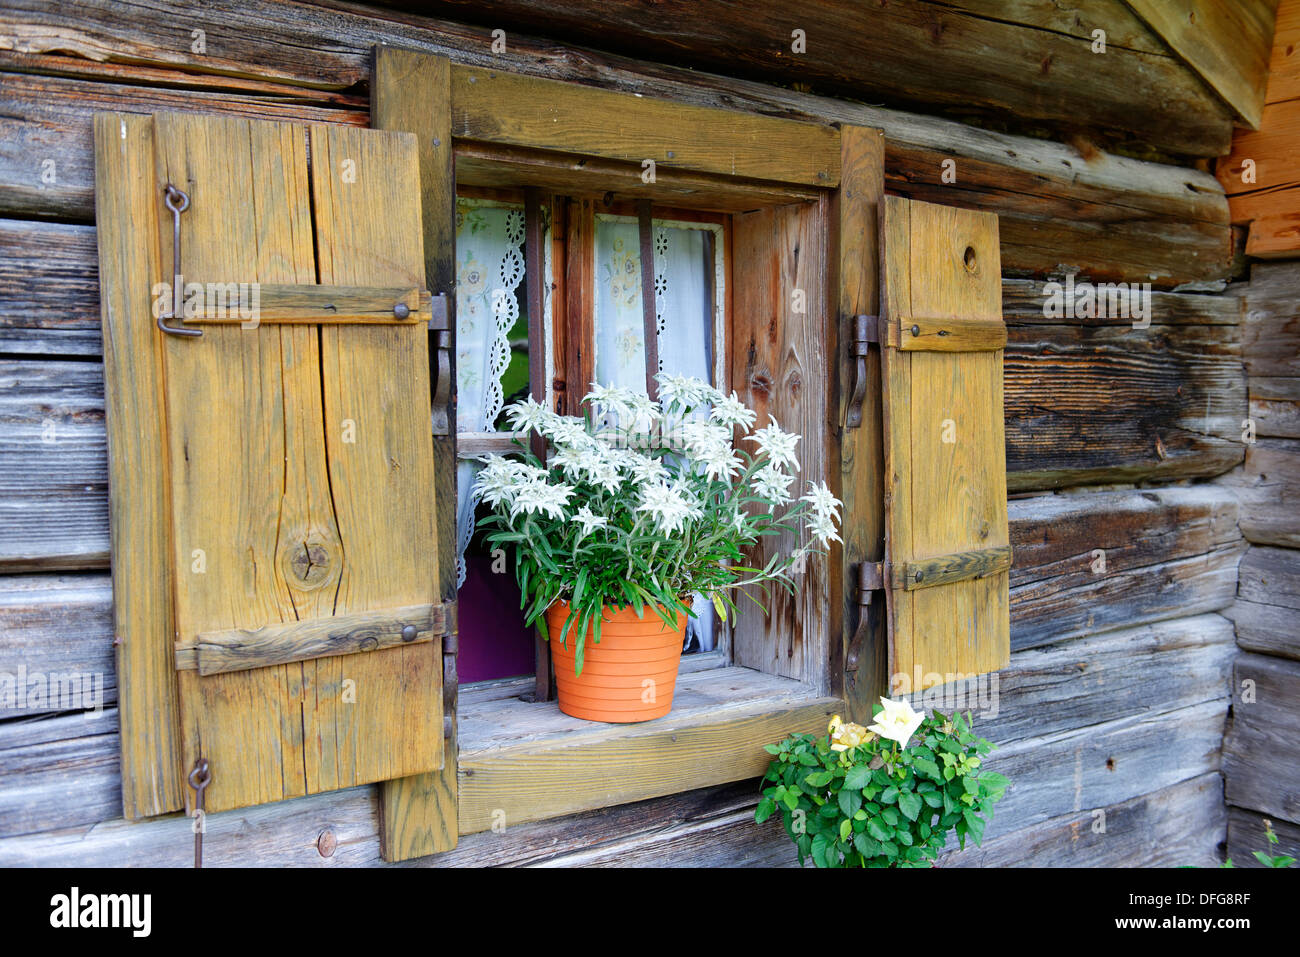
309 564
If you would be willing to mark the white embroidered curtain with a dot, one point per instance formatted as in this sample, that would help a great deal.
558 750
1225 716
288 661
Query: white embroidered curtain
489 268
684 303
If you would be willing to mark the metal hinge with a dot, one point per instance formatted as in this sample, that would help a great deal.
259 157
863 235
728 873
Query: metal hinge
440 318
871 578
866 332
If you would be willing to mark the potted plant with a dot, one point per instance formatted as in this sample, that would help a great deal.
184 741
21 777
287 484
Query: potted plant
640 507
886 795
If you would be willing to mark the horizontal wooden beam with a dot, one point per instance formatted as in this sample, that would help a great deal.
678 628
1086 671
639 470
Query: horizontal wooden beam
1261 748
957 567
914 334
242 649
516 110
258 303
521 762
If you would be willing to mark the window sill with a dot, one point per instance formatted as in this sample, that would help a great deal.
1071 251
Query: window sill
520 761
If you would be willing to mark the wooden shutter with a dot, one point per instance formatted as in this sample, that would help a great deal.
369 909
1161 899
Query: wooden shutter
941 337
289 461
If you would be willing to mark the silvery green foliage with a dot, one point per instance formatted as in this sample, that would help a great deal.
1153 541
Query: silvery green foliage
647 503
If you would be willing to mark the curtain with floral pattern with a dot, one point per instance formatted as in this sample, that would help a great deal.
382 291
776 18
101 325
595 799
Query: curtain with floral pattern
489 269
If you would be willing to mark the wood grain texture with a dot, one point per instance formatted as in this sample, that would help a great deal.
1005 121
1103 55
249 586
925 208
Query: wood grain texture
1087 563
859 478
945 471
384 486
411 92
913 334
955 567
1268 602
312 305
49 289
237 534
127 207
1165 402
241 649
514 110
777 339
1143 220
1268 487
1178 826
1262 746
969 56
557 765
1227 43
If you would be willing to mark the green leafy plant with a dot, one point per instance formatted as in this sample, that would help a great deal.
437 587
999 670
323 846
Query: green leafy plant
648 504
1268 860
866 797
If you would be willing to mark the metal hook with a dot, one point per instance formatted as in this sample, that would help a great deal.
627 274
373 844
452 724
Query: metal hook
177 201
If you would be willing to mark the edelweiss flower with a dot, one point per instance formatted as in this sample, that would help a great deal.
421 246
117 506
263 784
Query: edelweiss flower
529 415
702 439
644 469
778 446
684 391
772 484
589 521
541 497
720 464
500 478
824 511
605 399
730 411
669 507
566 430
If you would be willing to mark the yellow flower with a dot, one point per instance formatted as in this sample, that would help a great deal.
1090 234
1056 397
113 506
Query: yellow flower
845 736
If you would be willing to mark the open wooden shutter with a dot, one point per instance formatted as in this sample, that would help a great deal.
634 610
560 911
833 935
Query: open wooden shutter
941 337
290 454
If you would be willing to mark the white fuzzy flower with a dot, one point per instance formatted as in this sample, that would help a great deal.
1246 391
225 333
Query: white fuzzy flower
821 500
684 391
822 528
778 446
771 484
529 415
703 439
669 507
501 477
541 497
644 469
566 430
720 463
589 521
570 458
607 399
730 411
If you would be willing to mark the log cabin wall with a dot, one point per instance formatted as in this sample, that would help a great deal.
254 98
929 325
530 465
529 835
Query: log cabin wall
1118 689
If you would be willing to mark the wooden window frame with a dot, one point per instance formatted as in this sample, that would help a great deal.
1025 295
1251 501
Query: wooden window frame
509 131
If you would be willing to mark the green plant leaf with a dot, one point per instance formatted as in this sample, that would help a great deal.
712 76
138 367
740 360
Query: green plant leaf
764 810
910 804
857 777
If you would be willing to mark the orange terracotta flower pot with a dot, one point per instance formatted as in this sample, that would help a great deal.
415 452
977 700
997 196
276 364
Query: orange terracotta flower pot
629 675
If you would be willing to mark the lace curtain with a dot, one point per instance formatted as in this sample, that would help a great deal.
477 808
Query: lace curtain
684 303
489 269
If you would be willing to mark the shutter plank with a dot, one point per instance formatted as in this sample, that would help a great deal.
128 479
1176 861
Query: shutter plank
142 603
953 492
366 190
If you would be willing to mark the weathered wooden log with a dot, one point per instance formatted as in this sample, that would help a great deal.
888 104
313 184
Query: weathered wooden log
1115 217
1270 347
54 471
49 289
1086 563
1268 602
924 53
1261 749
1268 488
1178 826
1164 402
58 627
1246 835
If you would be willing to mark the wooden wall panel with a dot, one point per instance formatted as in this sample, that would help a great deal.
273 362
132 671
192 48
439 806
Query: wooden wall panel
1262 747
